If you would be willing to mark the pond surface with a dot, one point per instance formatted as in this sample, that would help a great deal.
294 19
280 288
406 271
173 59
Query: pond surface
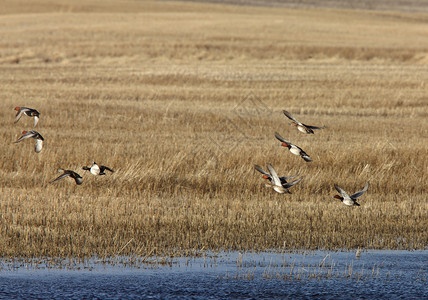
321 275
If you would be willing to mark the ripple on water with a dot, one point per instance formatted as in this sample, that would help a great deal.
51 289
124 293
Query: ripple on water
324 275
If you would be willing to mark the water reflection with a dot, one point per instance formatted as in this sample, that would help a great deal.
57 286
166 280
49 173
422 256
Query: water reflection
324 275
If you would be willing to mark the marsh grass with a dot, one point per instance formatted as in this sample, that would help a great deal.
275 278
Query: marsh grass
293 270
183 104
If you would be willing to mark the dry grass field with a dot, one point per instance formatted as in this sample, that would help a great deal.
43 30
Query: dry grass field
182 99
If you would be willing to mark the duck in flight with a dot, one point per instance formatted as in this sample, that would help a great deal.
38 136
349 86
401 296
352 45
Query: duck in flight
69 173
276 183
35 135
296 150
95 169
27 111
268 176
300 126
349 200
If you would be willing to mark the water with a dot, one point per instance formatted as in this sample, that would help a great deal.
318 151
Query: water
323 275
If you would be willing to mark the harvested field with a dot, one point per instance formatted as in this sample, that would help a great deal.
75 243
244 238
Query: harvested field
182 99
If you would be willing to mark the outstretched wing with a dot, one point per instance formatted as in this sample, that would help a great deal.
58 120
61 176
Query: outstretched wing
288 115
25 136
288 178
19 115
305 156
280 138
341 191
290 184
314 127
61 177
359 193
274 175
103 168
36 120
258 168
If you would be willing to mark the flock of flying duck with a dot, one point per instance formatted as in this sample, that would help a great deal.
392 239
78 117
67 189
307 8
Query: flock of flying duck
279 184
95 169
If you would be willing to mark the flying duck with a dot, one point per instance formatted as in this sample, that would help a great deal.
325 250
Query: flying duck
69 173
97 170
27 111
349 200
276 183
35 135
296 150
267 176
300 126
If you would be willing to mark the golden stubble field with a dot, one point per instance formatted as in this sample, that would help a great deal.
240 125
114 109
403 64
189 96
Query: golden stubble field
182 100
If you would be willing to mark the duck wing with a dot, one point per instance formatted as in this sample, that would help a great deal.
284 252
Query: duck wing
274 175
77 178
314 127
103 168
66 174
258 168
36 120
341 191
305 156
288 115
280 138
359 193
20 112
27 135
288 178
290 184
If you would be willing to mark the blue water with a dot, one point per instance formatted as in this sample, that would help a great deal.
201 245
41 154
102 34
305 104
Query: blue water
321 275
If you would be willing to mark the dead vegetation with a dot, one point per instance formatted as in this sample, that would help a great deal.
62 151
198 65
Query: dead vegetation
183 104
